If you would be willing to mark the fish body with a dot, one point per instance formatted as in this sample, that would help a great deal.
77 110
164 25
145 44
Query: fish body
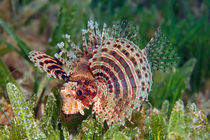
111 73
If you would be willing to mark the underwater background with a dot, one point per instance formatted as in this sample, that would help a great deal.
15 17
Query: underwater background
179 103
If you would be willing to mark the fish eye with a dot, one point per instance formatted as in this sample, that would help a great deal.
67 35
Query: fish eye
79 92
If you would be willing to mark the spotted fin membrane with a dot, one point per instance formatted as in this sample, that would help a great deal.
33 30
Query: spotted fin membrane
111 73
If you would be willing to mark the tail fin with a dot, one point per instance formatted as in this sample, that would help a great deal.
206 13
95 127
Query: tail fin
160 52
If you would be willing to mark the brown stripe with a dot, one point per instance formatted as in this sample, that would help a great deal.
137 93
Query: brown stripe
59 72
50 61
46 56
112 63
125 88
40 56
51 67
113 77
133 84
100 74
120 74
41 63
126 67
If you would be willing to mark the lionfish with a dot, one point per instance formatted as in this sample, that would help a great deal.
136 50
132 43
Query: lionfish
111 73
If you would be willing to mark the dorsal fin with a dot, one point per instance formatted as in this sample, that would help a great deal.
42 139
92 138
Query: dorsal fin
96 38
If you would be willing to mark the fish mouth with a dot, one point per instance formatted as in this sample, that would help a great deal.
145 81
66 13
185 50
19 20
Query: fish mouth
72 106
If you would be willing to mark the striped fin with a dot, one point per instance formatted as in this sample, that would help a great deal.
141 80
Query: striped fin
127 73
48 64
160 52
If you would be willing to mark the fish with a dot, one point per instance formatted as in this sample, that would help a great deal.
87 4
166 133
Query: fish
109 72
